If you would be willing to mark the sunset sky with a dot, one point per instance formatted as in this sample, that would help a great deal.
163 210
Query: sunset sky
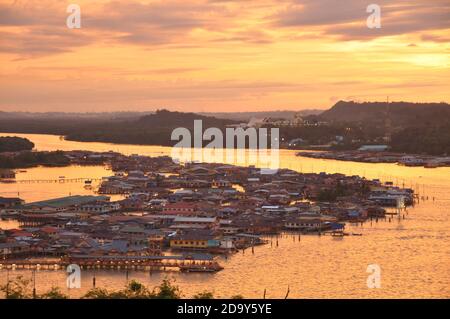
219 55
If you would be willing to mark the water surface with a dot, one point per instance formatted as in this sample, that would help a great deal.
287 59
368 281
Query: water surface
413 252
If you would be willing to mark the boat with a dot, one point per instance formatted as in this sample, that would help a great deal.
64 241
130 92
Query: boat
433 164
337 234
411 161
208 267
7 181
88 182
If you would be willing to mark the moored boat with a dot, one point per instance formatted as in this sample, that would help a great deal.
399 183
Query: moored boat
203 267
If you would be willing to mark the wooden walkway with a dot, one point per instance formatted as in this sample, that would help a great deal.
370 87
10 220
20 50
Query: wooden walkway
59 180
147 263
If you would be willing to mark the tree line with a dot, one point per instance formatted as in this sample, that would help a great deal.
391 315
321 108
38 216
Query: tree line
21 288
15 144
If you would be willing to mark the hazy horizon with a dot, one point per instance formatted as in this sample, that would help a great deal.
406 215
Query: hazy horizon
220 56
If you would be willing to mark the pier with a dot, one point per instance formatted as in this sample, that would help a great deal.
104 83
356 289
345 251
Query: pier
143 263
58 180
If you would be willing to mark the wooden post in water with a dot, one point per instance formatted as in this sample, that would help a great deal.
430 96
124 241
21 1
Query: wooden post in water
7 283
34 284
287 293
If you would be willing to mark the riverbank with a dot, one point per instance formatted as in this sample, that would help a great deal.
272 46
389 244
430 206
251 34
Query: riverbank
26 159
426 161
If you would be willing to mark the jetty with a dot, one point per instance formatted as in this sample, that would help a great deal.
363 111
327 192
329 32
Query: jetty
201 263
58 180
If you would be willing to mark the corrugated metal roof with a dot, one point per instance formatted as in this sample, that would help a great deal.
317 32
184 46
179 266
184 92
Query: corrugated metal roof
67 201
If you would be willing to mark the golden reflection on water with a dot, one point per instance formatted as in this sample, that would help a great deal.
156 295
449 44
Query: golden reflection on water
413 253
41 183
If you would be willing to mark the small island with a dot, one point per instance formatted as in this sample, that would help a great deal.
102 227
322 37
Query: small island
15 144
28 159
17 152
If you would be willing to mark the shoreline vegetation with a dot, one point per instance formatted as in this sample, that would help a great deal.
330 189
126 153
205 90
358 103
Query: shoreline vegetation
21 288
17 152
28 159
345 127
15 144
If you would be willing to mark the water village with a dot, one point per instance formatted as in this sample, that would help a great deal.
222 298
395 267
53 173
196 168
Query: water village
182 216
378 154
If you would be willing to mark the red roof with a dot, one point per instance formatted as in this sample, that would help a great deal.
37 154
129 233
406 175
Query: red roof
21 233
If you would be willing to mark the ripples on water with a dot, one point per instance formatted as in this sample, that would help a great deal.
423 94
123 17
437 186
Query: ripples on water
414 253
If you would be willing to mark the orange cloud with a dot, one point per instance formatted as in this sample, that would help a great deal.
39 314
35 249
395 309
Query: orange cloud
220 55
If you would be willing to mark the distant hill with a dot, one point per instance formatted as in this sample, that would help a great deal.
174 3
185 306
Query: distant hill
168 119
246 116
76 116
415 127
153 129
401 114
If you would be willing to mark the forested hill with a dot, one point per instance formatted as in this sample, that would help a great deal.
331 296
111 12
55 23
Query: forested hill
400 114
165 118
15 144
152 129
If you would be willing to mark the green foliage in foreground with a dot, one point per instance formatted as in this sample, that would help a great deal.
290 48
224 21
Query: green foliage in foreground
20 288
136 290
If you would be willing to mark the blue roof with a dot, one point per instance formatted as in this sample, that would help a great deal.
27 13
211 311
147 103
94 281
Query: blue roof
336 226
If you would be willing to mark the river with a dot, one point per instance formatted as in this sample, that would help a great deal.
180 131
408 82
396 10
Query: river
413 252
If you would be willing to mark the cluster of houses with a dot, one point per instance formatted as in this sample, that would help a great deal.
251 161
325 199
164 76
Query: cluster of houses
189 208
295 121
7 174
379 154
